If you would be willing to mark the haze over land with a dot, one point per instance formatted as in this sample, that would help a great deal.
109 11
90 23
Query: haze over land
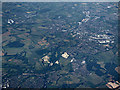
59 45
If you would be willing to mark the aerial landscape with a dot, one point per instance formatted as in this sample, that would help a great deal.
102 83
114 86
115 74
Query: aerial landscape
60 45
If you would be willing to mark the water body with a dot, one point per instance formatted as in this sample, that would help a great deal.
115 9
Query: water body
44 10
42 51
111 70
97 66
15 44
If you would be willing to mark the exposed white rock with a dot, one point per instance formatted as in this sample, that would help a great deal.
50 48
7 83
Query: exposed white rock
108 6
51 64
83 62
65 55
57 62
46 59
10 21
79 23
